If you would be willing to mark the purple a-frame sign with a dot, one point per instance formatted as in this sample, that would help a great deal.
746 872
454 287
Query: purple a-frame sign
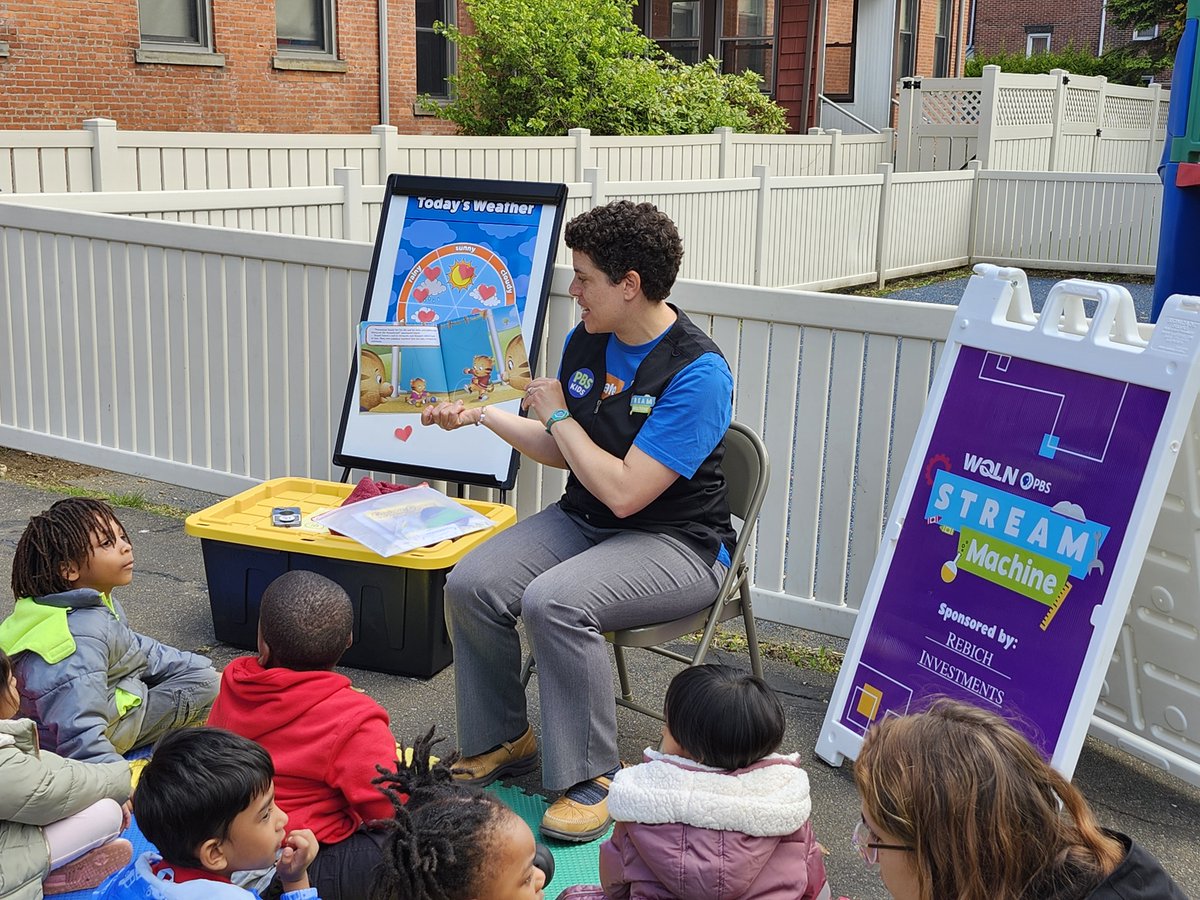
1025 508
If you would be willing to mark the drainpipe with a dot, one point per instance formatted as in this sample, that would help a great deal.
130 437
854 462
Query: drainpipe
384 102
818 107
809 106
1103 17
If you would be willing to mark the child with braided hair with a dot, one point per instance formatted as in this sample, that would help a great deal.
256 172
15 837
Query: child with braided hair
96 687
450 841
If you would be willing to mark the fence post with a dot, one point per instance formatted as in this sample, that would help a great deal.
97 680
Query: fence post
1056 117
835 151
973 221
910 101
725 133
989 108
595 177
883 225
763 174
1152 132
583 151
889 145
354 226
104 154
389 150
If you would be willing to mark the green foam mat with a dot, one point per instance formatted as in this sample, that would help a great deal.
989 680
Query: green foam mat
573 863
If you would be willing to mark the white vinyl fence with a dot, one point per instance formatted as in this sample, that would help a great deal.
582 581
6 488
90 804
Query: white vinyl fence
1056 123
100 157
798 232
215 358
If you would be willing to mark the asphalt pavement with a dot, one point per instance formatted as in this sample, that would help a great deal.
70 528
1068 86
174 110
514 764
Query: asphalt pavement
169 600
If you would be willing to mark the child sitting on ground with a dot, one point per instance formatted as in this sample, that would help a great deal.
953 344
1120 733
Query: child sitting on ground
96 688
716 813
326 738
59 819
450 841
206 800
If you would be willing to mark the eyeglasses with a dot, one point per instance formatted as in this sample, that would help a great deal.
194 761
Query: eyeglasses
866 842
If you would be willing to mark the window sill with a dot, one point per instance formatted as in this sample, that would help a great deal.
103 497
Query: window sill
3 48
179 57
308 64
419 110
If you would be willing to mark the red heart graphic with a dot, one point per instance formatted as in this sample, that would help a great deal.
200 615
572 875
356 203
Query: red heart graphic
404 433
425 315
486 292
432 272
420 294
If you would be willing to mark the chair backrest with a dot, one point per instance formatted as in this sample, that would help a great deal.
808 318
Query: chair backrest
747 472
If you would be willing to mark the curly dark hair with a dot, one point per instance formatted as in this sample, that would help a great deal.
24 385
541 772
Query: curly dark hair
442 837
624 236
59 537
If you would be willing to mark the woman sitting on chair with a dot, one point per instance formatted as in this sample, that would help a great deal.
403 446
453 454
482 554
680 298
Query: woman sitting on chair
642 534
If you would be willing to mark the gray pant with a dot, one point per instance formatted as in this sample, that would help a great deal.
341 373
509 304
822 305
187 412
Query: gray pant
177 701
570 582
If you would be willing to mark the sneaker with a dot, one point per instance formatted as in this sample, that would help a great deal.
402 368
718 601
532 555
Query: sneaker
509 759
570 820
89 870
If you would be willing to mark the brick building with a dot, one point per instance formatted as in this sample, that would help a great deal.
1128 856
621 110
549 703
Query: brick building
220 65
1035 26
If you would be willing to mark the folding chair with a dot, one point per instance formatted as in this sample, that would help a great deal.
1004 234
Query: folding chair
747 471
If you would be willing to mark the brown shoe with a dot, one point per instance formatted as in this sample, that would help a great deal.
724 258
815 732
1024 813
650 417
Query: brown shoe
570 820
509 759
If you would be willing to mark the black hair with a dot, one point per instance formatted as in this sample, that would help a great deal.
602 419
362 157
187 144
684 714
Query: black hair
723 717
439 842
197 782
624 236
6 670
59 537
306 620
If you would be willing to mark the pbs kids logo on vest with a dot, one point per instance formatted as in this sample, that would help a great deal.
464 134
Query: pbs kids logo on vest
581 382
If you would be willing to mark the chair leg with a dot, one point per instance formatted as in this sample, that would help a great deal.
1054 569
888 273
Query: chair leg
527 669
751 630
622 673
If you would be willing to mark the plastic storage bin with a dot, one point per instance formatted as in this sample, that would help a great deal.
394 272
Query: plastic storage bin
399 625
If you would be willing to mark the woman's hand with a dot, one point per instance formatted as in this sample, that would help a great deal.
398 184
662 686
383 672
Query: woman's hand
544 396
449 416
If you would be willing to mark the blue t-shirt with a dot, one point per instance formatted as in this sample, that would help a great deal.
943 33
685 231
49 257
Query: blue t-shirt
690 417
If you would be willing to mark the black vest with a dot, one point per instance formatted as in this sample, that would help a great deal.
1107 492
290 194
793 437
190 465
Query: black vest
695 510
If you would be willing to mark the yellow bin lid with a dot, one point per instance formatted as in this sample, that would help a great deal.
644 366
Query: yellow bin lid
246 519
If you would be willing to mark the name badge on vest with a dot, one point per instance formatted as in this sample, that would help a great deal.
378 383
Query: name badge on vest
642 403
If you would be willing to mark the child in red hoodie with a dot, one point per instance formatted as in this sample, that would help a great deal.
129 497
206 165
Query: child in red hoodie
325 737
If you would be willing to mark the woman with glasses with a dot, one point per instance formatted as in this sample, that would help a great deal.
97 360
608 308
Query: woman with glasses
958 805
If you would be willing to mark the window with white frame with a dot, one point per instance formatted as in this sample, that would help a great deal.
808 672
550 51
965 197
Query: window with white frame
175 24
1037 42
1147 33
435 54
305 26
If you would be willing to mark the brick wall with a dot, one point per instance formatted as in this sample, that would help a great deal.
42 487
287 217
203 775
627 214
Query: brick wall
70 59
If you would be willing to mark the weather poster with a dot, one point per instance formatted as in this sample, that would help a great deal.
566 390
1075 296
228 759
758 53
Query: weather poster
1009 543
453 313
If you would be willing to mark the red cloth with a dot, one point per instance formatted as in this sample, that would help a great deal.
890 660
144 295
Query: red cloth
184 874
368 488
325 738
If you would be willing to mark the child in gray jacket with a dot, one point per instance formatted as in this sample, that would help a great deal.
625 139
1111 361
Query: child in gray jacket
59 819
96 688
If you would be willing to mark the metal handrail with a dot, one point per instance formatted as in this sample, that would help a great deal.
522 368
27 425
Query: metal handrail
849 115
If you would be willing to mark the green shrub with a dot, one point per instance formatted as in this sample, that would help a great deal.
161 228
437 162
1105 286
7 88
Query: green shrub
1118 66
541 67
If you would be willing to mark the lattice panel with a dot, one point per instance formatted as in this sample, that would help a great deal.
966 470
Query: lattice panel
1126 112
1081 106
1024 106
950 107
1164 110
